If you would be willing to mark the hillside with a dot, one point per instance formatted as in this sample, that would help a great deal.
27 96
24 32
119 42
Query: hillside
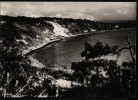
32 33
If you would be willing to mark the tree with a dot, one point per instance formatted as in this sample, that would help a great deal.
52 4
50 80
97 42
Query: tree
118 79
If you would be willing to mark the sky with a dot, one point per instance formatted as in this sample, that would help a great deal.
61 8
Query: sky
76 10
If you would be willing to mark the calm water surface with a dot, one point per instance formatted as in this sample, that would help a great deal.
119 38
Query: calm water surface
61 54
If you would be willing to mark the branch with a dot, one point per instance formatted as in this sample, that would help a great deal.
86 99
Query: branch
124 48
40 93
130 49
24 86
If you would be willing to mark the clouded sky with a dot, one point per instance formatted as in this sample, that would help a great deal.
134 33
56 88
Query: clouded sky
83 10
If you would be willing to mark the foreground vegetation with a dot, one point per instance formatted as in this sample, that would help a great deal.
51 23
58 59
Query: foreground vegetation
101 77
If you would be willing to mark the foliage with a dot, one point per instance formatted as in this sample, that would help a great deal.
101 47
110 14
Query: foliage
99 49
117 80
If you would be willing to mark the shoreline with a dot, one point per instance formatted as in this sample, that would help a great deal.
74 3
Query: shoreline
52 42
73 36
47 44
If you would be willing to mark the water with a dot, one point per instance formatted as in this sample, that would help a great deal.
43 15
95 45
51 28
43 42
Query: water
62 53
